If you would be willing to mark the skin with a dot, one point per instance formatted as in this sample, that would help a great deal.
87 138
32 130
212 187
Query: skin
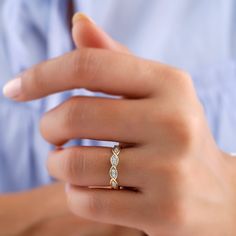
44 211
18 217
48 215
184 182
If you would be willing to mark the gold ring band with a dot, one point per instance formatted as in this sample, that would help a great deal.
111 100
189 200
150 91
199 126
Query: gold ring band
113 170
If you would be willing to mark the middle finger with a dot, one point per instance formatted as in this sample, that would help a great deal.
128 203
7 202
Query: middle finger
95 118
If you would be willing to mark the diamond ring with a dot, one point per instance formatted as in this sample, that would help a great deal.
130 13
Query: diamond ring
113 170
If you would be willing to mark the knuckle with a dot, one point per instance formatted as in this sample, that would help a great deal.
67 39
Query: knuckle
69 167
183 127
76 61
183 81
70 108
180 80
76 114
75 166
84 64
81 167
182 74
179 126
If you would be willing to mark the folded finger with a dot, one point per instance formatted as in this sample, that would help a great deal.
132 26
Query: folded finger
90 166
95 118
117 207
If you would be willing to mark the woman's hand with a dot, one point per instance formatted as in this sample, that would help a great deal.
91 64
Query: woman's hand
43 211
49 215
71 225
185 184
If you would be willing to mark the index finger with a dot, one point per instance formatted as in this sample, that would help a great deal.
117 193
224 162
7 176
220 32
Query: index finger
93 69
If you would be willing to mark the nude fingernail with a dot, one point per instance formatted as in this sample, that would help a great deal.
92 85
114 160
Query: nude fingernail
13 88
81 16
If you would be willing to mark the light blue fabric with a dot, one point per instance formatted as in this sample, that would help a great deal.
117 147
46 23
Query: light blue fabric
197 36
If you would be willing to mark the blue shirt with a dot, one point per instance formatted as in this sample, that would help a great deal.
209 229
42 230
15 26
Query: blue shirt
197 36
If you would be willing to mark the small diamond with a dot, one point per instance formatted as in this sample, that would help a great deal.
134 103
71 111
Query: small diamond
113 172
113 183
114 160
116 150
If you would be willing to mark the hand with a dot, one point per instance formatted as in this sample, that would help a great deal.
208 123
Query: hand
23 211
70 225
185 183
30 212
43 211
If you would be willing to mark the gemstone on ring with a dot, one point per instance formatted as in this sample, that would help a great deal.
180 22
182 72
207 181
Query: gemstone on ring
116 150
114 160
114 183
113 172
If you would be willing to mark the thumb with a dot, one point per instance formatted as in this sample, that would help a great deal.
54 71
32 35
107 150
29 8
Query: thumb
86 33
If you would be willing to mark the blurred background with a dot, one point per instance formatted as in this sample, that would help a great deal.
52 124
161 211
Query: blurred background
3 63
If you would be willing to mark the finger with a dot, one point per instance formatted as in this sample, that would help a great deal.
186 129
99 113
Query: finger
94 69
86 33
95 118
90 166
117 207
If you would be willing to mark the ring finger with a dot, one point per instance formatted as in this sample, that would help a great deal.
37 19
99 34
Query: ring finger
89 166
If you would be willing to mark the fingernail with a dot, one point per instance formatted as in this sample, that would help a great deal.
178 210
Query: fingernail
81 16
13 88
